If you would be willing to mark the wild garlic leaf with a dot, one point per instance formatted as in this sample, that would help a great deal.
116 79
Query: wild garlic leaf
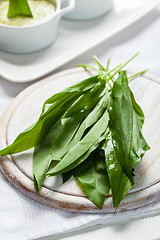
71 159
19 8
42 157
127 138
92 177
85 85
54 144
73 119
35 134
126 145
52 111
79 88
120 184
121 121
67 172
90 120
97 144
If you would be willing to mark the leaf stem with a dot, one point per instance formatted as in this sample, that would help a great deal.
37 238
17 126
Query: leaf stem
99 63
87 66
106 70
125 64
108 73
108 62
139 73
109 84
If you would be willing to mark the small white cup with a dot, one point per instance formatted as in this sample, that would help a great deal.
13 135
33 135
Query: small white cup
26 39
89 9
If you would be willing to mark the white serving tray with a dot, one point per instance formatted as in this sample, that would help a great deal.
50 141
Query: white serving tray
75 38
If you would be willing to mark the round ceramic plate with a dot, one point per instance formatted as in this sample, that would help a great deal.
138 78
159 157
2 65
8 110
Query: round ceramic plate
25 110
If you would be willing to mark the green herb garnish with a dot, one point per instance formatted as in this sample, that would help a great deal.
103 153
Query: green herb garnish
91 131
19 8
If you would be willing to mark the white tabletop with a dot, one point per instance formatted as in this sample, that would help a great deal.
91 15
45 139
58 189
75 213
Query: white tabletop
143 37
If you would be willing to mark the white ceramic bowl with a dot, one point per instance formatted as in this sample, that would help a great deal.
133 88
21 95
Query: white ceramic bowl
26 39
89 9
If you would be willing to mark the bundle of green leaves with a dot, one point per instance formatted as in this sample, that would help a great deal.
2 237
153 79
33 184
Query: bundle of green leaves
91 131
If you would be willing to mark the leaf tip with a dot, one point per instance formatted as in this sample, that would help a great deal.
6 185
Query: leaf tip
36 184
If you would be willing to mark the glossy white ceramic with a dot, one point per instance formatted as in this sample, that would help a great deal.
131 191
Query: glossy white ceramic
27 39
89 9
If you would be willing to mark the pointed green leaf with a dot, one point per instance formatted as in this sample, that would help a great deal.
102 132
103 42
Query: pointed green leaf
119 182
34 135
137 109
93 178
54 144
127 138
126 144
19 8
71 159
52 111
42 157
90 120
73 119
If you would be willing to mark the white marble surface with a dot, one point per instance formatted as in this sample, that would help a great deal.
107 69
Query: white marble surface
143 36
